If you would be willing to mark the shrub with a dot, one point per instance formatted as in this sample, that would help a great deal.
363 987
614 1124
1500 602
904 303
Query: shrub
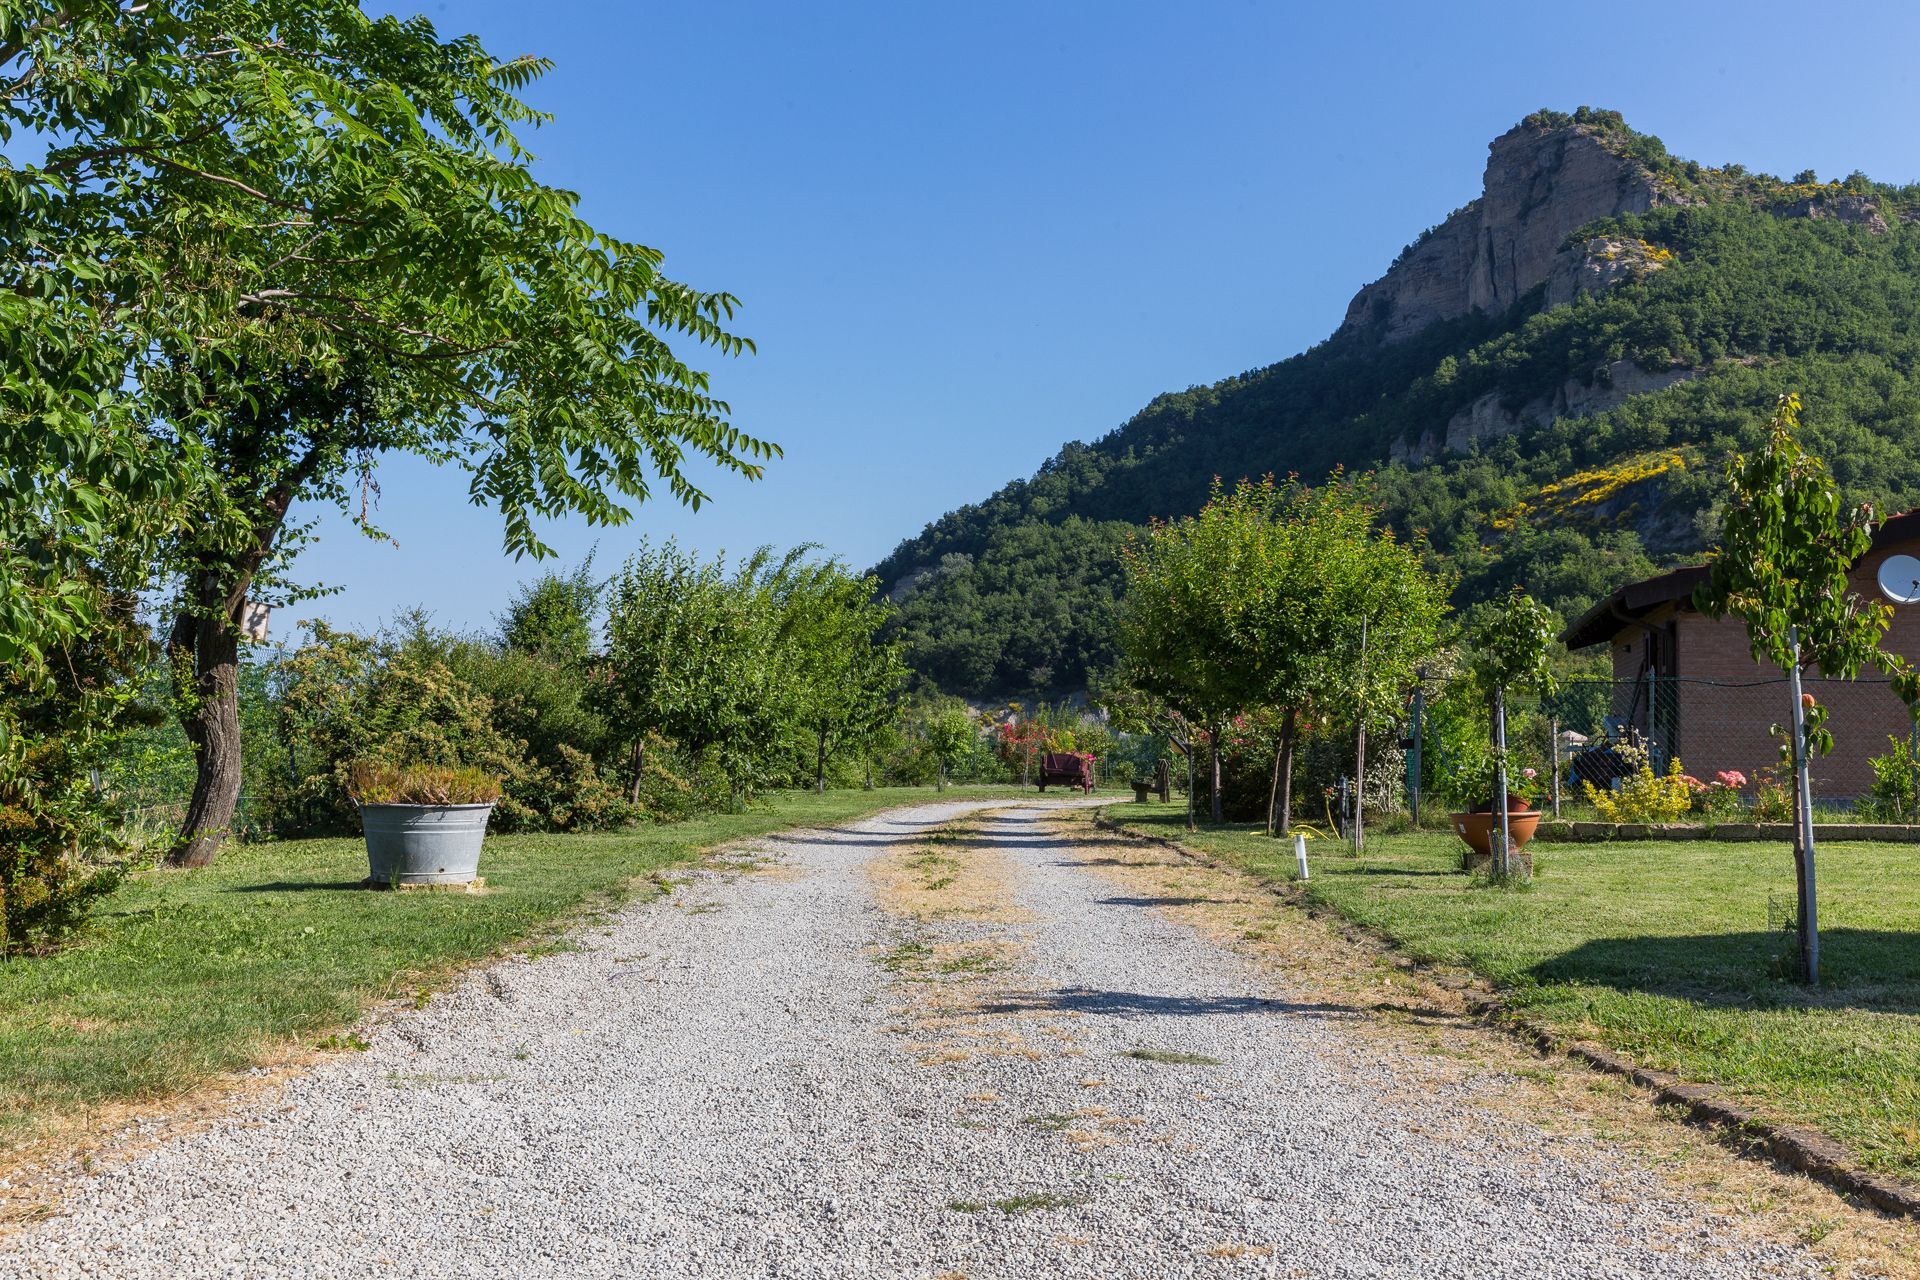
350 699
1643 795
377 782
47 884
1891 798
61 846
1772 794
1722 796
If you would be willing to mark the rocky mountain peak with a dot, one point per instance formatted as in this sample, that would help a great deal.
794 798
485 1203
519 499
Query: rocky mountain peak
1543 181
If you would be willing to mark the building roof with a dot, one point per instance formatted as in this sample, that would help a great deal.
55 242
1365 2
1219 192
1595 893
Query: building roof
1630 603
1636 600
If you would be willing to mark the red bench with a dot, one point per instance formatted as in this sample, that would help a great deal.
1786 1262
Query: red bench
1071 768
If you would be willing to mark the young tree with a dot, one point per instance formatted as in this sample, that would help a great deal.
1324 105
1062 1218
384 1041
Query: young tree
1283 598
1510 650
1384 609
1786 545
553 616
370 266
1343 616
58 849
693 654
843 676
950 733
1190 628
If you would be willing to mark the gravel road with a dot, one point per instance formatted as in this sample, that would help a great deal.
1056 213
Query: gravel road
799 1069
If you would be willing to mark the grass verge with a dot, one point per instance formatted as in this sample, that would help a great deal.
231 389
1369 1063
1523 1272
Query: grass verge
1669 952
185 975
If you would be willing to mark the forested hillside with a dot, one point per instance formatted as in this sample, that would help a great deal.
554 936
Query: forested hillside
1546 384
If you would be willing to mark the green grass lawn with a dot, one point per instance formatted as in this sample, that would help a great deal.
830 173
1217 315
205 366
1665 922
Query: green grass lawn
1663 951
185 974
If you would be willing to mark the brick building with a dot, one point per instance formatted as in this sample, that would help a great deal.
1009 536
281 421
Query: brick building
1688 685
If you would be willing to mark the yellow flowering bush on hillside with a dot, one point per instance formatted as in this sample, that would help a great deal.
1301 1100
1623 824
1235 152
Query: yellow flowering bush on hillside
1581 494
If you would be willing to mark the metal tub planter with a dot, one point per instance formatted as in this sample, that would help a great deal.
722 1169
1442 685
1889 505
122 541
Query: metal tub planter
424 843
424 824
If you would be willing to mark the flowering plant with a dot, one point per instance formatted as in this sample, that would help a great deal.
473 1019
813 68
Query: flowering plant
1773 794
1525 783
1722 795
1643 795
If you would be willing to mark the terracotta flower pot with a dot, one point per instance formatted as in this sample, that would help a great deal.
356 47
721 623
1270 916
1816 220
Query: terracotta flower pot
1516 803
1477 828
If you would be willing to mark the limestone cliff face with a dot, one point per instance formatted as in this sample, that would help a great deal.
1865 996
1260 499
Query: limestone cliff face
1541 184
1488 418
1855 211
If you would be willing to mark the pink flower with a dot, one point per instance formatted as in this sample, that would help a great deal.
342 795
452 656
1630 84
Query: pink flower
1529 773
1693 783
1731 778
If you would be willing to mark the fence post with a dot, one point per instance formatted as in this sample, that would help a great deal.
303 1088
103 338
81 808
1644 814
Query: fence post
1656 745
1413 749
1501 862
1360 750
1553 754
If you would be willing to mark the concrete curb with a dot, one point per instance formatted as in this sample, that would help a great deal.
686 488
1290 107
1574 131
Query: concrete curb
1807 1150
1558 831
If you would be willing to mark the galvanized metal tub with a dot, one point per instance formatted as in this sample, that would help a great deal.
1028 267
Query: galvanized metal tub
424 843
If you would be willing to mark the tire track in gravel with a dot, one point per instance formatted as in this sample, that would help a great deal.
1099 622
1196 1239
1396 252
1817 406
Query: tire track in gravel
929 1044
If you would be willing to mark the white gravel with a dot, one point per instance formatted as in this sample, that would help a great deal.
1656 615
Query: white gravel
720 1086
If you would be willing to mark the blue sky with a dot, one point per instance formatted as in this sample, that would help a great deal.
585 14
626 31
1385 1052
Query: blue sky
964 234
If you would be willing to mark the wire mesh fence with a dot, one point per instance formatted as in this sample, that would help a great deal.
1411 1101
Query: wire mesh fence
1595 729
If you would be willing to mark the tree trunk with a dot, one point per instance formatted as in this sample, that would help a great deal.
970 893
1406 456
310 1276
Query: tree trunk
639 770
820 766
1215 810
1273 791
1280 798
1804 886
205 651
1191 748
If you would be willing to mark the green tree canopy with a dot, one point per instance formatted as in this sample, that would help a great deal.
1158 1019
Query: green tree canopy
294 237
1279 596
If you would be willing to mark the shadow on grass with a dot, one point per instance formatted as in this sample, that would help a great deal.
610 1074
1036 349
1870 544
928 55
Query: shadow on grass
298 886
1876 969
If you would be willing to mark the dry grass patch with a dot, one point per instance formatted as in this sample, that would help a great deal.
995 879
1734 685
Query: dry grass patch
1233 1251
949 873
955 987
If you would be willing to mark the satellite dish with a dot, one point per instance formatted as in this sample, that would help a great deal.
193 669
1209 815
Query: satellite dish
1900 579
